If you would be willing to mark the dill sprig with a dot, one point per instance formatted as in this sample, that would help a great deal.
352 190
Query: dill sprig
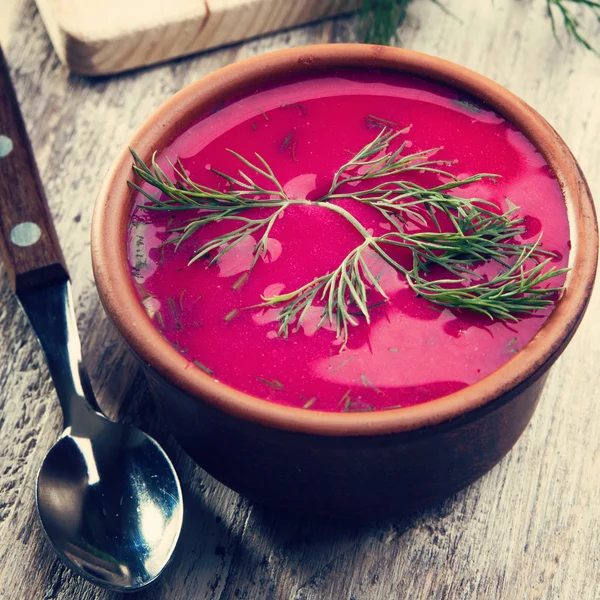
511 293
473 232
570 22
346 283
215 205
184 194
368 163
379 20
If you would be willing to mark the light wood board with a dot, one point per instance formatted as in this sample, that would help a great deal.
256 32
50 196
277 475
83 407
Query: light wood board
526 531
96 37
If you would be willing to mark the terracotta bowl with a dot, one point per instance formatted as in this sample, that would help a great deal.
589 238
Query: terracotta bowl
351 464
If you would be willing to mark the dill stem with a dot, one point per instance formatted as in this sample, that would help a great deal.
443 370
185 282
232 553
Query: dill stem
347 215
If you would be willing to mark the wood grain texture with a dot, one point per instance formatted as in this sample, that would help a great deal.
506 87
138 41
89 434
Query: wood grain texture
528 530
96 37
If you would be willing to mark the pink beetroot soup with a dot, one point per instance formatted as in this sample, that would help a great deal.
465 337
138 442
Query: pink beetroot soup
413 351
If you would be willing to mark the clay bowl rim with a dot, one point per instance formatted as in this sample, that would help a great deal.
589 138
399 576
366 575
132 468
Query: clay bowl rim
122 305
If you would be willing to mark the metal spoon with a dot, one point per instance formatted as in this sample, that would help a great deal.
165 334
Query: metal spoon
108 496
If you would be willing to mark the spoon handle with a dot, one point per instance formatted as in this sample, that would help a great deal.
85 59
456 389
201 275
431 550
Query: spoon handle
28 241
34 261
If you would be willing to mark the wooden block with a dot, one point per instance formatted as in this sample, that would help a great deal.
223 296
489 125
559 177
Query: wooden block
96 37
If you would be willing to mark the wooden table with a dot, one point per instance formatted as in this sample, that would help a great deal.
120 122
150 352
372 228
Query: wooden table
527 530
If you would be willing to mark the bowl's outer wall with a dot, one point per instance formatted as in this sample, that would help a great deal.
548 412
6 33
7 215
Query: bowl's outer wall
359 477
345 465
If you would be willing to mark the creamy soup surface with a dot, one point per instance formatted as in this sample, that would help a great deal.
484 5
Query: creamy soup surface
305 129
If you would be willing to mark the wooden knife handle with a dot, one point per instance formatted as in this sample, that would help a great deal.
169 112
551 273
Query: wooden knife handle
28 241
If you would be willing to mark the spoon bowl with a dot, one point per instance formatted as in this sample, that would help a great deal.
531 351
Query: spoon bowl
105 517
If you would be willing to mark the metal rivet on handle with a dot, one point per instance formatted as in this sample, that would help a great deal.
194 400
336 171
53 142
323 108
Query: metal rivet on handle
6 146
25 234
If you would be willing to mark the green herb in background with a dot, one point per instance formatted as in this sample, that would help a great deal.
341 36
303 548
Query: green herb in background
569 21
380 19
